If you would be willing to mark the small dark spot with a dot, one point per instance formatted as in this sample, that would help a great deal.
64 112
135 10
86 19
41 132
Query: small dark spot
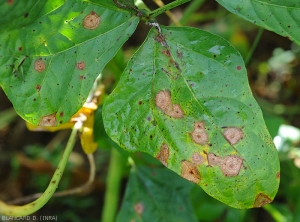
278 175
289 26
26 15
215 56
238 67
81 77
20 48
38 87
151 137
10 2
61 114
140 102
53 182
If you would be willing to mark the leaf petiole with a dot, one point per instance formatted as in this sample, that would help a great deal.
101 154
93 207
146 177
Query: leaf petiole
13 210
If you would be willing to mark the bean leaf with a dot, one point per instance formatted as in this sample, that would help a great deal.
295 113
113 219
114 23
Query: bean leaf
184 98
280 16
51 52
156 194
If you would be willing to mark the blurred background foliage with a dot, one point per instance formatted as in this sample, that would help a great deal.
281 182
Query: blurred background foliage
28 159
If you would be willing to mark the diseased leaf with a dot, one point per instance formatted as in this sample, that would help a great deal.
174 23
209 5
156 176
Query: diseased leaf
52 51
280 16
156 194
184 98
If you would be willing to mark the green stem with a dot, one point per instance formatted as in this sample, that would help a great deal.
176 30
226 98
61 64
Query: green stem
277 216
13 210
113 182
254 45
188 12
167 7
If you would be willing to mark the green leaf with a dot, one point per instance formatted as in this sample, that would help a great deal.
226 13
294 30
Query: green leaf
184 98
156 194
49 63
280 16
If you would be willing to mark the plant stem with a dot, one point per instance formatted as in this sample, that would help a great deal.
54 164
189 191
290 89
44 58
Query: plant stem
188 12
254 45
169 6
276 215
13 210
113 182
168 12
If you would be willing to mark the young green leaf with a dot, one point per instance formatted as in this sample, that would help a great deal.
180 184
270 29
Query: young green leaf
184 98
156 194
61 49
280 16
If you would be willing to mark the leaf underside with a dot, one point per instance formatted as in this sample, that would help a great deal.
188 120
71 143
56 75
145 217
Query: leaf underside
280 16
184 99
51 52
156 195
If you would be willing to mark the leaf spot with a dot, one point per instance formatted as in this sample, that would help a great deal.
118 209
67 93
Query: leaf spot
261 200
49 120
163 154
80 65
199 135
166 52
39 65
197 159
233 135
238 67
163 101
214 160
139 208
91 21
190 172
231 165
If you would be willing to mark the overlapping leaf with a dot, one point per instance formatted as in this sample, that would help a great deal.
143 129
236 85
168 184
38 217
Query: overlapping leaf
156 195
280 16
184 98
52 51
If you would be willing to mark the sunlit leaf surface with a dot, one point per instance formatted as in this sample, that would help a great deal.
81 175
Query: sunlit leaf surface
52 51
